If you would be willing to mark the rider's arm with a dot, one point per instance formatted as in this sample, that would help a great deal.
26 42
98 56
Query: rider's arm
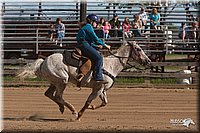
93 37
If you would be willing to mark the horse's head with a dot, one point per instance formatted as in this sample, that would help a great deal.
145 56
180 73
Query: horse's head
138 54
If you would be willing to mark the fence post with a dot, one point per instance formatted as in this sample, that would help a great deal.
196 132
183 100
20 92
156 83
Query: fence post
167 39
123 35
83 10
147 80
37 38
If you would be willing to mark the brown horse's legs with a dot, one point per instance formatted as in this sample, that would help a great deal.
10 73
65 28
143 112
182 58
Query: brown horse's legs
49 93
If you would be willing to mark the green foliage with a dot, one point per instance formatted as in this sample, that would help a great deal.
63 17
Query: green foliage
164 81
129 80
8 78
11 78
121 80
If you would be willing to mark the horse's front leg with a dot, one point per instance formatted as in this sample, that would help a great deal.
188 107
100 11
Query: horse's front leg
95 92
103 97
50 94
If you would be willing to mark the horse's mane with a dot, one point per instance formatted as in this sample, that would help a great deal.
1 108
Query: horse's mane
117 51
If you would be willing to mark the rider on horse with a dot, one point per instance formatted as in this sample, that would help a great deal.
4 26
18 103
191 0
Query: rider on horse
89 43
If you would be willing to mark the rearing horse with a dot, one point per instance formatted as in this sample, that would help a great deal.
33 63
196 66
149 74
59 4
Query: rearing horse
58 74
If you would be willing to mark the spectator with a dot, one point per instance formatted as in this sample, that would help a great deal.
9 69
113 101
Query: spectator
100 23
126 27
99 28
198 25
154 19
60 30
193 31
144 17
51 32
137 26
115 25
106 28
183 32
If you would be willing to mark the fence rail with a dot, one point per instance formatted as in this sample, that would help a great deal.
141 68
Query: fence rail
146 74
25 34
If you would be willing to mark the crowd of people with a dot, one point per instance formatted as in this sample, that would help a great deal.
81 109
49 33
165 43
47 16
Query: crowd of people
189 31
135 28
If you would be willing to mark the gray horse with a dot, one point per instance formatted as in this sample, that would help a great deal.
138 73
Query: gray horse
58 74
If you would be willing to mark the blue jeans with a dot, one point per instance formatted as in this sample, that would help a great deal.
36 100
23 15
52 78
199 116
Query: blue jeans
90 52
60 35
137 33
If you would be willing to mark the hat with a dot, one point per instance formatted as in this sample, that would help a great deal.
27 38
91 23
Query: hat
142 8
115 15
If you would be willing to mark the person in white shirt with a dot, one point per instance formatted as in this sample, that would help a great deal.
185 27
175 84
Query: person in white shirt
144 17
60 30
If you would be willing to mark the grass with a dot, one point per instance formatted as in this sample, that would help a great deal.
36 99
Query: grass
129 80
11 78
120 80
175 56
164 81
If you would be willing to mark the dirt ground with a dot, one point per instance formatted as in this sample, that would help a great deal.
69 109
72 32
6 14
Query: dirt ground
129 109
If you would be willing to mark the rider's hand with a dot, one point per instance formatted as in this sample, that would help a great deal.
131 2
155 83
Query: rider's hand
99 46
108 46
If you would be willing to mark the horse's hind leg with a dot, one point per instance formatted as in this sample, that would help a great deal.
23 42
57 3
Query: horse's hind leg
59 98
50 94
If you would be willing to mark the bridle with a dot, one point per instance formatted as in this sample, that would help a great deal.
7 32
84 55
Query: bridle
121 57
129 57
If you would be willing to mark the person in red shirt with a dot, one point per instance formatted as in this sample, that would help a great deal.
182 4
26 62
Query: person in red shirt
126 26
106 28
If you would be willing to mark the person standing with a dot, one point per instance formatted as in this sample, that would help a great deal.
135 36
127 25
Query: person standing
184 33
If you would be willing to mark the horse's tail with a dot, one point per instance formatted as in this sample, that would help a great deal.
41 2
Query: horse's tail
29 70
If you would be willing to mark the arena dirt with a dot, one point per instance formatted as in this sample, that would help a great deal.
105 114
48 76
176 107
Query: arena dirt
129 109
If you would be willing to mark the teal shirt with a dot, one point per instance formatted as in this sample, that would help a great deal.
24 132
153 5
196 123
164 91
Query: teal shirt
87 33
154 17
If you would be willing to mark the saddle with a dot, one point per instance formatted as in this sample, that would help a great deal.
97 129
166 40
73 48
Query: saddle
85 64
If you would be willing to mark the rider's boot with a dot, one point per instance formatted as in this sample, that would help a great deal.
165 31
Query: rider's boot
102 81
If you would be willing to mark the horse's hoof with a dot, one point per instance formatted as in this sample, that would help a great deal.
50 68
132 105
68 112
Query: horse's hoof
79 116
75 114
91 107
78 119
62 109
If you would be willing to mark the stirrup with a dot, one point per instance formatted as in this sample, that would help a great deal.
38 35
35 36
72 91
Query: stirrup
80 77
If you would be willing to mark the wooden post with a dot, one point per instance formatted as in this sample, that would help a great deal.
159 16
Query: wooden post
39 10
77 9
83 10
37 39
3 8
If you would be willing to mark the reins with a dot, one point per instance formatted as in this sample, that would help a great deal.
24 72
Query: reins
130 65
116 55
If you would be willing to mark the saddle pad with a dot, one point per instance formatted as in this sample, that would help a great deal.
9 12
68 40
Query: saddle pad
69 60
